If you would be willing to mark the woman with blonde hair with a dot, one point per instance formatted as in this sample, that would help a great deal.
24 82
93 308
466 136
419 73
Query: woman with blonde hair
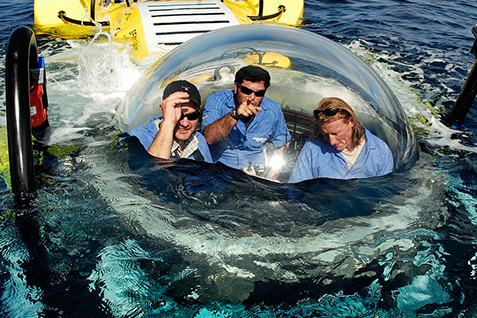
342 148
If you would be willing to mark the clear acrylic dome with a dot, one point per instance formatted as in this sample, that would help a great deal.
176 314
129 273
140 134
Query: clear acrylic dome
304 68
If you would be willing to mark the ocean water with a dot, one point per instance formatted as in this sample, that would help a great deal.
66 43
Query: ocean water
105 237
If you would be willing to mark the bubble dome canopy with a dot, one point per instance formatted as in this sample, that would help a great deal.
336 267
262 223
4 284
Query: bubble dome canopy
304 68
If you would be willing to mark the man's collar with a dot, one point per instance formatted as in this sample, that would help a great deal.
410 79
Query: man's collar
190 145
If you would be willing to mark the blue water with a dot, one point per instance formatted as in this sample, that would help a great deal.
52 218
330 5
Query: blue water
107 237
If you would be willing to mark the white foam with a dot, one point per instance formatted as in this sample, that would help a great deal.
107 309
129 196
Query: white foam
422 114
85 79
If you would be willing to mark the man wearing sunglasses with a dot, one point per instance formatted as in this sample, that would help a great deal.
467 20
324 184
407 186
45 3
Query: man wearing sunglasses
174 135
238 123
342 148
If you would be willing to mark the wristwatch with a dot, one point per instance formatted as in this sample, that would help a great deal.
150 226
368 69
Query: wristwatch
234 114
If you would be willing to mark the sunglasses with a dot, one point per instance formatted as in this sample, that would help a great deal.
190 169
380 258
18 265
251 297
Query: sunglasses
248 91
328 112
191 116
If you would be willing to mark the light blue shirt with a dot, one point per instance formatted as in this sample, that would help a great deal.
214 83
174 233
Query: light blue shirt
245 146
321 160
147 133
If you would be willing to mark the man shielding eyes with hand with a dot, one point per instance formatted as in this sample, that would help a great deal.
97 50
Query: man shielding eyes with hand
174 135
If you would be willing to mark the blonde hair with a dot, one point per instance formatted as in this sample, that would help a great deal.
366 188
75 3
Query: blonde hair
347 115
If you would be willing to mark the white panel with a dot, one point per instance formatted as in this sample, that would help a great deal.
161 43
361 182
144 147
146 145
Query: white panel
175 22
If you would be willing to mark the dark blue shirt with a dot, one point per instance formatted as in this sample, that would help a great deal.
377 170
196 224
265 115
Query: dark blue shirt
245 145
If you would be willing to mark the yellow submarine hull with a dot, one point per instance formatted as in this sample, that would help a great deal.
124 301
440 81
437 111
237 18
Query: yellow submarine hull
150 25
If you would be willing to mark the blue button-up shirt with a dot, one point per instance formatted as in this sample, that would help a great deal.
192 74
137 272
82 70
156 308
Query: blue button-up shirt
321 160
244 145
147 133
